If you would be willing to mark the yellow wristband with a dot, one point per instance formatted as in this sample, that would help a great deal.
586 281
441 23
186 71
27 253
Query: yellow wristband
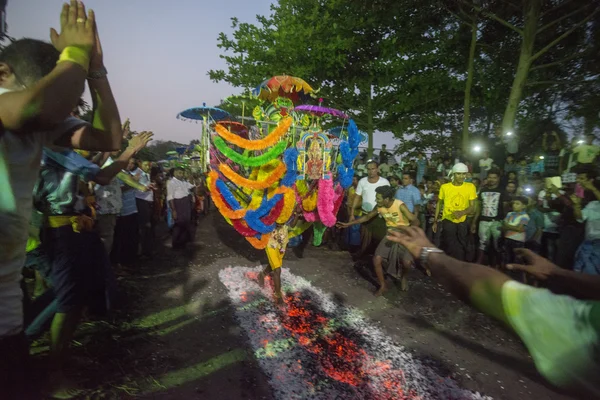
76 55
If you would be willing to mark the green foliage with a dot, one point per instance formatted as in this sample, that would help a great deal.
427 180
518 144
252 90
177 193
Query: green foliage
401 66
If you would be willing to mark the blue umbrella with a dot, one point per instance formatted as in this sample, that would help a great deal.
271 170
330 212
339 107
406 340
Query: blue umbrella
200 113
337 131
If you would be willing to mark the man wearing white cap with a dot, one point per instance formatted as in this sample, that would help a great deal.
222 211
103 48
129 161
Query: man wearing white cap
458 198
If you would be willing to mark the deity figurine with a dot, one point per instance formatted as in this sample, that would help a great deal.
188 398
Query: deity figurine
314 164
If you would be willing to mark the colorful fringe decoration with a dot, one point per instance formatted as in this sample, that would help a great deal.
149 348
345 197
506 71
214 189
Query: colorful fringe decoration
325 203
253 184
260 243
261 144
249 161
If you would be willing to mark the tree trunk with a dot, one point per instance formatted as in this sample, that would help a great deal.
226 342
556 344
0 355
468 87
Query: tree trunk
370 122
532 15
470 68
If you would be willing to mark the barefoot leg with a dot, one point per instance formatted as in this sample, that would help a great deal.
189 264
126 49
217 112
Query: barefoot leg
378 263
277 286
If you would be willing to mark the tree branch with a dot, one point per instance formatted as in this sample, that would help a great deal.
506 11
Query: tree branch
556 83
498 19
556 21
564 35
552 64
556 8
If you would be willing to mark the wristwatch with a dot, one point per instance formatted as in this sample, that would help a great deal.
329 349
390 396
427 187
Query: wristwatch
425 252
98 74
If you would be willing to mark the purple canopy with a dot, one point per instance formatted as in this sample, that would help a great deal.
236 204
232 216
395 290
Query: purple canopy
320 111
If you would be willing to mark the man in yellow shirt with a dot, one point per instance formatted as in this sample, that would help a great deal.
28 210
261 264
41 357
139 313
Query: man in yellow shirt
458 198
396 214
587 152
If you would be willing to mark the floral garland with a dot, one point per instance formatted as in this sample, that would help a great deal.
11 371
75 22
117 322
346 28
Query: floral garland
253 184
249 161
349 151
220 201
309 203
325 203
253 216
261 144
290 158
289 203
243 229
259 243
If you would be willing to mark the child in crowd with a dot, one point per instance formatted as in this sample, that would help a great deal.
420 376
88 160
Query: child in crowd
535 227
522 172
514 228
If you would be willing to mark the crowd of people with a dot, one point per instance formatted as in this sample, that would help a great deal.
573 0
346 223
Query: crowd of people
78 207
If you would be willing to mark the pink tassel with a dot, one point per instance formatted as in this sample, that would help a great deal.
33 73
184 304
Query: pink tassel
325 202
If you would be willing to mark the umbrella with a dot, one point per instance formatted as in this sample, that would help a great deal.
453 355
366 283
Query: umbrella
337 131
319 111
200 113
287 86
235 127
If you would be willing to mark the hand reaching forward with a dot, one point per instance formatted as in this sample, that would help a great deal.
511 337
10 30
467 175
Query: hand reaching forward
412 238
537 266
76 28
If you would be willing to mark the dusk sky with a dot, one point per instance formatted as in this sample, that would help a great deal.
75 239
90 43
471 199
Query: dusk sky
157 53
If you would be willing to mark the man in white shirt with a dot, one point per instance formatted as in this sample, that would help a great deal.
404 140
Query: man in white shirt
180 200
485 165
145 205
38 93
365 200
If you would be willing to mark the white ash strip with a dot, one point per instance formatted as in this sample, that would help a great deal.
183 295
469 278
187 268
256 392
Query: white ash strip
385 369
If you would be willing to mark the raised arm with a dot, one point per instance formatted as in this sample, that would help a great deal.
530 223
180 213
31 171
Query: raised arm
135 144
105 133
50 100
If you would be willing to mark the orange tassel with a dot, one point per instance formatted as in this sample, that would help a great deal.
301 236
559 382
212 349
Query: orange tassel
261 144
252 184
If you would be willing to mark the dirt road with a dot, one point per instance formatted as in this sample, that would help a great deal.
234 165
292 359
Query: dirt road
177 337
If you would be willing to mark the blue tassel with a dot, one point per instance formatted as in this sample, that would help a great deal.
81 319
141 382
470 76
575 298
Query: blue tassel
228 196
290 158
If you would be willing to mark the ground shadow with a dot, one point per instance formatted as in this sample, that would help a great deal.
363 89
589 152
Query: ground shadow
228 236
523 367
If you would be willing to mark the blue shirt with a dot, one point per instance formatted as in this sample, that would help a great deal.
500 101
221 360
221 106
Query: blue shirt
129 205
57 189
409 195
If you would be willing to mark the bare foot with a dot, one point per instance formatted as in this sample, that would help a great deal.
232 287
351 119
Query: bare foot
404 284
61 388
382 290
278 298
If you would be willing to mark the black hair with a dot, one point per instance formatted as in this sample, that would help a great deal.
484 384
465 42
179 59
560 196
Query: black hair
387 192
410 174
393 177
522 199
29 59
372 162
476 179
494 171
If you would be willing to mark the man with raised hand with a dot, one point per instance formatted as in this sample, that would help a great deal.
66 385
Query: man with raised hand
561 332
40 85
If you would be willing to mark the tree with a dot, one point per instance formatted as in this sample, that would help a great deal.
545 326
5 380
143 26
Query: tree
540 22
373 52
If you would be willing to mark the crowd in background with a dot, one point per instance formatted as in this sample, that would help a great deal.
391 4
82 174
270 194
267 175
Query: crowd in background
75 218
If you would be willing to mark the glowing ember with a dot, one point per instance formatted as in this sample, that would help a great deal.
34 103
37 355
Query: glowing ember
313 348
